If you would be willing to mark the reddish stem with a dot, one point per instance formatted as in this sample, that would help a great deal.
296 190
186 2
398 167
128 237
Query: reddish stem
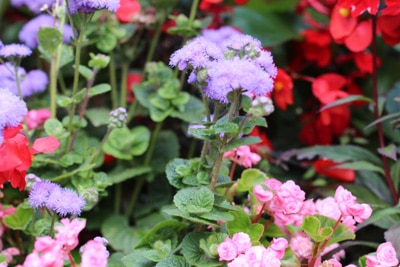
71 260
233 167
259 214
388 177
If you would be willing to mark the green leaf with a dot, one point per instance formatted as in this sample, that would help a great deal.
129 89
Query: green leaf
118 233
380 214
120 174
242 223
389 151
166 230
136 259
49 38
85 72
250 178
64 101
193 110
172 211
98 116
395 174
393 106
346 100
244 141
3 259
20 219
176 261
174 178
194 200
193 253
360 165
107 42
99 89
98 61
54 127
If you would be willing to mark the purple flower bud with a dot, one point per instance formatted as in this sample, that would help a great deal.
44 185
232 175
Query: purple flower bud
89 6
15 50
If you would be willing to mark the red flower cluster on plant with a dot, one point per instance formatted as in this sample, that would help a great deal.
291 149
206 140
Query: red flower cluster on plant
16 156
283 90
389 22
360 6
127 9
316 46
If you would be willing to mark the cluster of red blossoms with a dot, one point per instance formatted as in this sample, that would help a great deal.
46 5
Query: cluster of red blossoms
16 155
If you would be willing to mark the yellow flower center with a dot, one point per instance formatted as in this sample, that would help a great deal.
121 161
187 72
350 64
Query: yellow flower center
278 86
345 12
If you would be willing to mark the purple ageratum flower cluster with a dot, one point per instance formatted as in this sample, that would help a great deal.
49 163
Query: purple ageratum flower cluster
219 36
12 111
15 50
237 63
34 6
226 76
89 6
61 200
32 82
29 32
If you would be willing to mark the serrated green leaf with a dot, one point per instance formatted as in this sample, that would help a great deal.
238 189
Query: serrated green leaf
244 141
49 38
176 261
242 223
250 178
20 219
137 259
166 230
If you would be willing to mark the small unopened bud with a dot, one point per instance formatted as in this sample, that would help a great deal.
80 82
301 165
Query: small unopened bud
117 118
261 106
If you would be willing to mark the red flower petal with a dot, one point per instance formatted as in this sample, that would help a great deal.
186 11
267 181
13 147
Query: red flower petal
45 145
361 37
283 90
327 87
341 24
127 9
327 167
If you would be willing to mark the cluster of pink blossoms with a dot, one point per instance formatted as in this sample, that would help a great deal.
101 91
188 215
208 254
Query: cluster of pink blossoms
287 204
239 252
49 252
243 156
385 256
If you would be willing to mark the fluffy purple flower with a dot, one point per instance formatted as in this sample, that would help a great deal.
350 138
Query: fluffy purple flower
1 44
29 32
229 75
15 50
33 5
220 35
265 61
12 110
197 53
52 196
64 201
40 193
31 83
89 6
239 41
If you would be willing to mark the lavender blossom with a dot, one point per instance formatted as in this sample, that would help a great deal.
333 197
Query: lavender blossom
15 50
240 41
89 6
40 193
117 118
64 201
33 5
31 83
12 110
52 196
29 32
197 53
220 35
230 75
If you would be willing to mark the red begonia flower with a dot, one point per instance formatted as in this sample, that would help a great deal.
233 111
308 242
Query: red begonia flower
240 2
327 87
127 8
15 158
132 79
265 146
316 46
341 24
327 167
337 118
216 9
361 37
363 62
359 6
389 23
283 90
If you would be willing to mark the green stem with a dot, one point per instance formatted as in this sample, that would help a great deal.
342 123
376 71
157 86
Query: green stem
113 81
124 76
156 37
386 168
117 198
142 179
193 11
53 221
53 85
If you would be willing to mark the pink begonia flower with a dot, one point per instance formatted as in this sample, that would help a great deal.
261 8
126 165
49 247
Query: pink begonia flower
243 156
8 253
331 263
240 261
279 245
328 207
301 245
385 256
262 195
47 252
227 250
94 253
36 117
273 183
67 234
269 259
254 255
242 242
349 207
